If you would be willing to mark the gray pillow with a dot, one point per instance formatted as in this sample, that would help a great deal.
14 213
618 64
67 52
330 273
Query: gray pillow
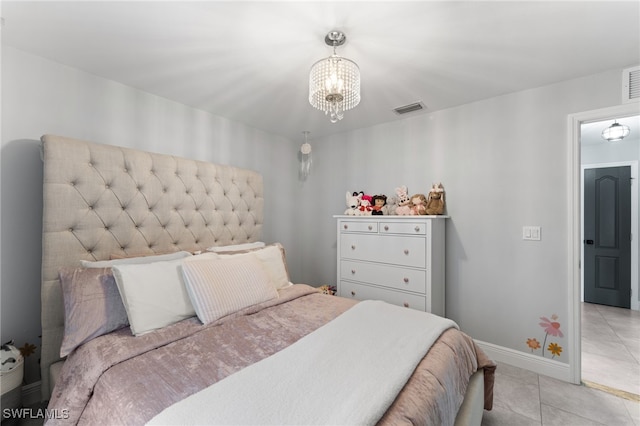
92 306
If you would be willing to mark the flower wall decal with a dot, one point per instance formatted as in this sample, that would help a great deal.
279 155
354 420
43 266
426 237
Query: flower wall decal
554 349
551 327
533 344
27 349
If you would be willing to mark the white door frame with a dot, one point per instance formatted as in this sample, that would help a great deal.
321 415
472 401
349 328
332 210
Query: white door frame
574 242
634 224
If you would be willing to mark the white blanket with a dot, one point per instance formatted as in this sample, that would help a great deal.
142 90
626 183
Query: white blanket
347 372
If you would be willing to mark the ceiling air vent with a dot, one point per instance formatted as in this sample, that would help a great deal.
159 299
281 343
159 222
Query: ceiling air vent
631 84
406 109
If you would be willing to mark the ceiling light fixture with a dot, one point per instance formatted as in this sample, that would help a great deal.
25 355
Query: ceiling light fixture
334 82
615 132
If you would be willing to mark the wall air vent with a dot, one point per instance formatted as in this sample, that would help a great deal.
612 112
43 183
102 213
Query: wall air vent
406 109
631 84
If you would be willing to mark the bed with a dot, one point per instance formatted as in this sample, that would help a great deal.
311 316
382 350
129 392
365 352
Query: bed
273 353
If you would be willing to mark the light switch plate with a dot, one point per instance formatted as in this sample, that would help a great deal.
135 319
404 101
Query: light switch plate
532 233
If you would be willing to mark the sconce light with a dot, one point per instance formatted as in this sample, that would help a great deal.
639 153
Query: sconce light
305 158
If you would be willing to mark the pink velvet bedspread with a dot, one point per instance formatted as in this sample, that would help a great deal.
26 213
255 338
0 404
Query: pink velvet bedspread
127 380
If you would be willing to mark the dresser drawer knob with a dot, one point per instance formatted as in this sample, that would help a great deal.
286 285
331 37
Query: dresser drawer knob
353 293
406 304
386 227
353 247
345 226
417 228
406 280
353 271
406 251
370 227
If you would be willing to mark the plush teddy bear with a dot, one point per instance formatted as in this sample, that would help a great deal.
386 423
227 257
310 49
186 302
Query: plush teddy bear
390 207
435 202
353 204
379 202
403 208
418 205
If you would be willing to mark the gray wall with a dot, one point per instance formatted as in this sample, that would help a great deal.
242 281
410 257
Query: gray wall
503 162
40 96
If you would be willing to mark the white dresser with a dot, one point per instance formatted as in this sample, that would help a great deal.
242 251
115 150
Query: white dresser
398 259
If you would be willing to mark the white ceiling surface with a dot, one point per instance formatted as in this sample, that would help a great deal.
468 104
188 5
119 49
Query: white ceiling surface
249 61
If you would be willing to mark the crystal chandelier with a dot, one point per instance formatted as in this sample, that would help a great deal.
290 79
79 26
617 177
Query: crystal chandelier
615 132
334 82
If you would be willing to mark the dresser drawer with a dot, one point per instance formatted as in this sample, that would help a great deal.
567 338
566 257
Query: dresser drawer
397 250
410 228
358 226
384 275
362 292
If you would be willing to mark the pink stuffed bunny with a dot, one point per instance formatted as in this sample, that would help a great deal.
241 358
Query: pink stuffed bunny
403 208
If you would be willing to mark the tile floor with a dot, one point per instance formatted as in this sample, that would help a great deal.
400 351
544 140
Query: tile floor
611 347
524 398
610 357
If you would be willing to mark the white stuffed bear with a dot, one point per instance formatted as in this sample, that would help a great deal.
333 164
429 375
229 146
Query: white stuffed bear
353 204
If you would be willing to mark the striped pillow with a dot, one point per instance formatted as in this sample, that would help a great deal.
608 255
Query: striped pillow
219 287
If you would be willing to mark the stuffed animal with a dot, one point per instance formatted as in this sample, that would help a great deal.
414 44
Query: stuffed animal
435 202
379 202
327 289
418 205
391 206
403 208
353 204
365 207
11 358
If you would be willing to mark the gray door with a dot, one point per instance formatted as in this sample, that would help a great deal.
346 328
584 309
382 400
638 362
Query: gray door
607 236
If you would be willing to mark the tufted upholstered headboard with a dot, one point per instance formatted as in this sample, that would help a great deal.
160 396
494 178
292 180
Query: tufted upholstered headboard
103 200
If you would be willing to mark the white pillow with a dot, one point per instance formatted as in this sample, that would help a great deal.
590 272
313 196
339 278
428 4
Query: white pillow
206 255
236 247
154 294
135 260
219 287
273 261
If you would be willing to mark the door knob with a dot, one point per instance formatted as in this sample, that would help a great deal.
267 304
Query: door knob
590 242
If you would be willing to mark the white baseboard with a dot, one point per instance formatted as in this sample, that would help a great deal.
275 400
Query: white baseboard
537 364
31 393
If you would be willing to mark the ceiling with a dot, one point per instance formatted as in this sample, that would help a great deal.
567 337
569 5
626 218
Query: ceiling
249 61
